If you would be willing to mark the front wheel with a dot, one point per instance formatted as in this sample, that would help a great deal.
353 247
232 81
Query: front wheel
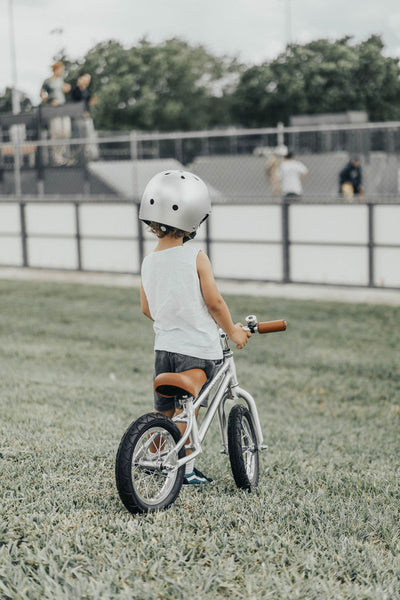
145 481
242 447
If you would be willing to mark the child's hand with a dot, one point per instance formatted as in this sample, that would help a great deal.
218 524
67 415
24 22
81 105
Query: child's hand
240 336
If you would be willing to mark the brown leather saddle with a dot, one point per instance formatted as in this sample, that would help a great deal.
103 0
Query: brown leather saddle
187 383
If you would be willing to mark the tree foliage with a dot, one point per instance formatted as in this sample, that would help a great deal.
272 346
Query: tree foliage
320 77
177 86
165 87
6 101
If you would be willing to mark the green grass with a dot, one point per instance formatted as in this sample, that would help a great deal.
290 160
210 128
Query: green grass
76 369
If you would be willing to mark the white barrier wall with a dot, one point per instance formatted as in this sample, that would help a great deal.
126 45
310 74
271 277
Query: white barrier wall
246 242
321 244
328 243
10 235
109 237
51 239
387 231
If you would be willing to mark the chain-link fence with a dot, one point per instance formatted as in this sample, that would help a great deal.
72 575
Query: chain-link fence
239 163
58 151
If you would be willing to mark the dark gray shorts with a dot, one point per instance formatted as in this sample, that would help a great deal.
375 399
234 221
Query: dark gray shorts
171 362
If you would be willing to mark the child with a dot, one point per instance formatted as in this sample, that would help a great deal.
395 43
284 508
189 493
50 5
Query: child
178 289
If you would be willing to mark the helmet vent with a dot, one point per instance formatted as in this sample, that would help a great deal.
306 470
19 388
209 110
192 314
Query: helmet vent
183 177
175 207
167 173
152 201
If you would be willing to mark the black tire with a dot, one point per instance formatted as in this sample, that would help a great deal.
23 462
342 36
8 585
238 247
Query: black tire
242 448
142 486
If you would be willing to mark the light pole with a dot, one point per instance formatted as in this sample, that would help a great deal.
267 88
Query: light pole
288 21
15 130
16 106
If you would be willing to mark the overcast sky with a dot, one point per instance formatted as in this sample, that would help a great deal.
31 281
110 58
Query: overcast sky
252 30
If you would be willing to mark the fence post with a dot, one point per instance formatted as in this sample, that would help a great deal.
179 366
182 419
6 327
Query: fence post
371 246
23 234
285 243
78 236
179 149
16 138
133 142
280 134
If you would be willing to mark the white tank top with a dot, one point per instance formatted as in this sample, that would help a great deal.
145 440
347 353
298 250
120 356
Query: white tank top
182 322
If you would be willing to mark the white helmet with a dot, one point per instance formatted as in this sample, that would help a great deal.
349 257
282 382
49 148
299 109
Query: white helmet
176 198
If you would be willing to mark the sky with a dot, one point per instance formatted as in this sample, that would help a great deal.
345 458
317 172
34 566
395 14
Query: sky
251 30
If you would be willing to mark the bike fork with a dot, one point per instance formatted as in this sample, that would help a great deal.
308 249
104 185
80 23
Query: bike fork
251 405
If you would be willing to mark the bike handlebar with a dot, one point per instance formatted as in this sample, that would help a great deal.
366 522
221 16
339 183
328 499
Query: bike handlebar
271 326
253 325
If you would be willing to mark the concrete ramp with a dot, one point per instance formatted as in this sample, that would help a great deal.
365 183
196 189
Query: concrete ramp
129 177
237 177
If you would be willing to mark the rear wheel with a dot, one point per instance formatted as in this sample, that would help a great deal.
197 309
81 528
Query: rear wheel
144 481
242 447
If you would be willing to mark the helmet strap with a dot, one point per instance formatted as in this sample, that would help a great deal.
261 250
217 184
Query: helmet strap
189 237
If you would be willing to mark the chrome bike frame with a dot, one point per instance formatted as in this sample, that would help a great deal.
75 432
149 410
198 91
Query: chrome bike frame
227 389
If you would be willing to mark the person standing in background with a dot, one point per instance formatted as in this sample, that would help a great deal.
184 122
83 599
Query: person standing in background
272 167
81 92
53 92
291 175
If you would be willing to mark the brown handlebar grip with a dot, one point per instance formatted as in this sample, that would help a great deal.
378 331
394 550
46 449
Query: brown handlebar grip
271 326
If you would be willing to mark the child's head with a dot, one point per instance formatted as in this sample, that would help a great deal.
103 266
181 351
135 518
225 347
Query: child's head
161 230
175 203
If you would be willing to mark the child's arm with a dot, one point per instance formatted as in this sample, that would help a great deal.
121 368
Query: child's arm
144 304
216 304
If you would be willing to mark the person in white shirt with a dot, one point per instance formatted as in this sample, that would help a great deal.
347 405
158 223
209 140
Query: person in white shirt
292 173
178 292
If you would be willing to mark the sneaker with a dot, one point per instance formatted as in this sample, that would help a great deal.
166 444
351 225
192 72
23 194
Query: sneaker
195 478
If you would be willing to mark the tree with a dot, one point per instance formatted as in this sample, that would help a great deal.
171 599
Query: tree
378 81
177 86
6 101
169 86
319 77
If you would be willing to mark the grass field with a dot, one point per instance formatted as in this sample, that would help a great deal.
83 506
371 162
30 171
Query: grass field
76 368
